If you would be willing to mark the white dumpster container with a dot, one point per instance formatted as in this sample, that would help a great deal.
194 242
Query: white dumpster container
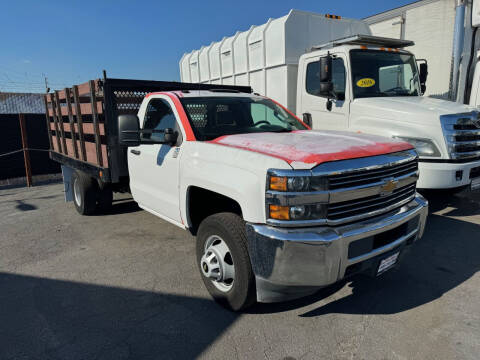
266 56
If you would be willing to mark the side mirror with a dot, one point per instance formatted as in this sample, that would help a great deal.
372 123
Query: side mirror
423 75
170 136
326 85
128 130
307 119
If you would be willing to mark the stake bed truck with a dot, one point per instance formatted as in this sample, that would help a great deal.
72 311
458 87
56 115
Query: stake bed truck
278 210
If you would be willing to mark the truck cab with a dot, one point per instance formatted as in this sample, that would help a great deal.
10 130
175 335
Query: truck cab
279 210
374 85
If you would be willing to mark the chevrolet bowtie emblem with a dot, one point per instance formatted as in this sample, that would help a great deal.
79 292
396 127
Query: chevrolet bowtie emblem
388 187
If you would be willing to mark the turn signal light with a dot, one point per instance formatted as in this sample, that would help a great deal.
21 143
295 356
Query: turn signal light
278 183
279 212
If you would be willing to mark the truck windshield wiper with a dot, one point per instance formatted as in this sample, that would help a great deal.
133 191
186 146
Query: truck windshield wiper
281 130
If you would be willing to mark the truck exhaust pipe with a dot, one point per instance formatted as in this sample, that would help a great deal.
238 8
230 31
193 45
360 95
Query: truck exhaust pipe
458 42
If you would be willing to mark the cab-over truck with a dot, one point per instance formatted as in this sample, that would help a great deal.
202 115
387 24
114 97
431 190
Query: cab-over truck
278 210
374 86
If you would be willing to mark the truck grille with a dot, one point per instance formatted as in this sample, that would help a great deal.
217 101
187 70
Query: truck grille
365 177
352 208
462 134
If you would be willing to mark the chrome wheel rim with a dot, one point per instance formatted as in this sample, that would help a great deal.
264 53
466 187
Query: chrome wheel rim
217 264
76 193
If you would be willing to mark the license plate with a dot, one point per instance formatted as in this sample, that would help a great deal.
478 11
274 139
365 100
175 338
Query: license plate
387 263
475 185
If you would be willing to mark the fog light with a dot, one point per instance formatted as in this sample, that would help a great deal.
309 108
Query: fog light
459 175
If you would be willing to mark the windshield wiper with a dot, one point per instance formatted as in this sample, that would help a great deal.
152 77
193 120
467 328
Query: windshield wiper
281 130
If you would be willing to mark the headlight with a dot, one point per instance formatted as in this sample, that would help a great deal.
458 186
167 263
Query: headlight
298 212
424 147
297 183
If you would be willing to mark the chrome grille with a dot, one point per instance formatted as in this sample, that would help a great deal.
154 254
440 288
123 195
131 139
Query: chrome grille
352 208
462 134
365 177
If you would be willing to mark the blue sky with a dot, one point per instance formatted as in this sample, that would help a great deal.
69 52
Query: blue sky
72 41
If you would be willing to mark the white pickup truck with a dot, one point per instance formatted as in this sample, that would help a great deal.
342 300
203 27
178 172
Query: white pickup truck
373 86
278 210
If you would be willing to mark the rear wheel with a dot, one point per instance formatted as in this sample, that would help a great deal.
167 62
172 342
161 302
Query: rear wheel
85 191
224 262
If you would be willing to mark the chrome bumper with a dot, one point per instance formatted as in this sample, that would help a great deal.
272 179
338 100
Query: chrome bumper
292 262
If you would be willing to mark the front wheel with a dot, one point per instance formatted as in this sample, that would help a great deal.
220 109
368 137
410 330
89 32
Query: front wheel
223 261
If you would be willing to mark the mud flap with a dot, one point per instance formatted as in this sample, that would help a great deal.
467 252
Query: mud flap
67 173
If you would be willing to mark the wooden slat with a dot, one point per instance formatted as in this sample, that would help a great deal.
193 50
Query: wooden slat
70 146
88 128
55 141
85 109
61 94
95 122
78 114
60 123
70 119
47 117
85 99
55 121
84 89
91 149
83 92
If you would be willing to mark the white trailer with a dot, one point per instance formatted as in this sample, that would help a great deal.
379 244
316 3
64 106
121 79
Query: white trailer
266 56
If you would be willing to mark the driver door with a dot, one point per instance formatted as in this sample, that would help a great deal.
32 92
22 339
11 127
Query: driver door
316 105
154 168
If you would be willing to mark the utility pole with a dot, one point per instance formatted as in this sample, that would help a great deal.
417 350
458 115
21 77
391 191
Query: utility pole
26 155
46 83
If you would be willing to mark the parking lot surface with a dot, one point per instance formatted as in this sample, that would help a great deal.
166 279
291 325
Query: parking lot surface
125 286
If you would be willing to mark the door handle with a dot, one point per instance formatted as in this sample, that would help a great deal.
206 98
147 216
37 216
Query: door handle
135 152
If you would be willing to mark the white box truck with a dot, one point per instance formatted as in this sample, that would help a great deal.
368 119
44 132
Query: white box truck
372 85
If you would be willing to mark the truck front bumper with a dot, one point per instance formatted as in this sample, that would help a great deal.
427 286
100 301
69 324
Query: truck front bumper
292 262
443 175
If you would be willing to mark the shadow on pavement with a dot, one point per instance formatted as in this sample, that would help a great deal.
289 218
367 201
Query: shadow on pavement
23 206
122 206
51 319
463 204
447 256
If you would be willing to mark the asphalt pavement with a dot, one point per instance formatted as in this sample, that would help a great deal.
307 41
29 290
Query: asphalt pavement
125 286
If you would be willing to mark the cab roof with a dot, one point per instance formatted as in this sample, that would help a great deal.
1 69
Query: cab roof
208 93
366 40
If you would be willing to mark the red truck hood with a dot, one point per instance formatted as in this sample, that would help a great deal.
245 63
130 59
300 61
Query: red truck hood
309 148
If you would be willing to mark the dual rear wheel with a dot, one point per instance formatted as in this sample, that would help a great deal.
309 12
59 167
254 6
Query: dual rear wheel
88 196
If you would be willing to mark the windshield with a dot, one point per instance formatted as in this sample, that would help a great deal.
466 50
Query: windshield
381 73
211 117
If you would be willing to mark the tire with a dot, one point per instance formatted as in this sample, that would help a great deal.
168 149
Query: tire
105 199
85 190
229 228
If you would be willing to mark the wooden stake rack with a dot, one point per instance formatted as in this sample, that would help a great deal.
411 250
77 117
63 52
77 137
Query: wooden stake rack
76 121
